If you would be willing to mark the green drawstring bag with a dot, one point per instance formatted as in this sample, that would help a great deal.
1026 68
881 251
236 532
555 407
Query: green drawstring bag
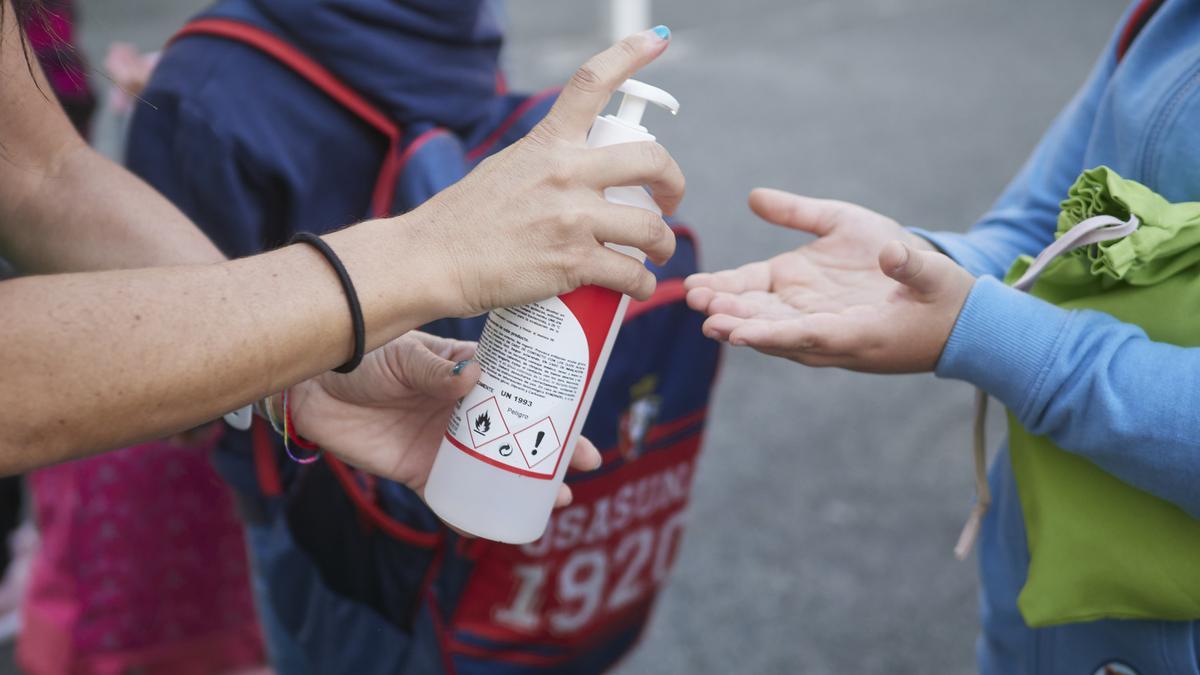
1099 547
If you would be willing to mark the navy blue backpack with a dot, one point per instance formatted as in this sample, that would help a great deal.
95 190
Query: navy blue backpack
356 575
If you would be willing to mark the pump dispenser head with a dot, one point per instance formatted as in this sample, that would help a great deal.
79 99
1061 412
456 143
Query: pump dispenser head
626 125
637 95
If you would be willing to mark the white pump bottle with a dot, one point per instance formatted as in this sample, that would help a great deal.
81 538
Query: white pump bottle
510 440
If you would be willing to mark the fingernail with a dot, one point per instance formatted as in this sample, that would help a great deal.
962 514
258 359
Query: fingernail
458 367
899 267
662 32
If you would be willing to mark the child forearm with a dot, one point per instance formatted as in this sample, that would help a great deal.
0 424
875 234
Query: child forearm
1096 386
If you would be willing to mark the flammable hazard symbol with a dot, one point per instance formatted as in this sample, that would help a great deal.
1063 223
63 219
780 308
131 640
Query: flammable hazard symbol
485 422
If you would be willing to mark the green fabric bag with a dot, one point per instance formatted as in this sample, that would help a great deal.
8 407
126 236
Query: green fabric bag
1101 548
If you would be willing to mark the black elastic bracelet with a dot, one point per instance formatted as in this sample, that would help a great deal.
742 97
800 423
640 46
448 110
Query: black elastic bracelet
356 315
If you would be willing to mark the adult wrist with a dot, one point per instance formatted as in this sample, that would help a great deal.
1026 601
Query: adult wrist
430 232
400 284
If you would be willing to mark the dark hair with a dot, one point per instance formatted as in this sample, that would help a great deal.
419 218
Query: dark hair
26 9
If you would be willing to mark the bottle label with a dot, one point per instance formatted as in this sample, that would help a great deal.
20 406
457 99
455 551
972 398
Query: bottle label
537 361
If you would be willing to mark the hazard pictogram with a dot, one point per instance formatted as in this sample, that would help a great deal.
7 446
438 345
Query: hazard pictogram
485 422
538 442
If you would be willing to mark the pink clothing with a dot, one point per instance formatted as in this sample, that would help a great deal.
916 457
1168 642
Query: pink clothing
142 568
51 33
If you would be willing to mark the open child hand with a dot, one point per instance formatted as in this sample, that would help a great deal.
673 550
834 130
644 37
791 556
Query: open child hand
865 295
389 415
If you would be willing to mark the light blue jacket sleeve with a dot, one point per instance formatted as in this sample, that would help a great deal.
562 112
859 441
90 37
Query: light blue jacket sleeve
1024 218
1094 385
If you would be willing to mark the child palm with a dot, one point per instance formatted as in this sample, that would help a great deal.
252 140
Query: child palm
857 297
839 269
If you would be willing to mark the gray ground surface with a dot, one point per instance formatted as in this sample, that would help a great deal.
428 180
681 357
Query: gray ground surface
827 502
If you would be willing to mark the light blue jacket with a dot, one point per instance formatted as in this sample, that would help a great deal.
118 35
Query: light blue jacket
1094 385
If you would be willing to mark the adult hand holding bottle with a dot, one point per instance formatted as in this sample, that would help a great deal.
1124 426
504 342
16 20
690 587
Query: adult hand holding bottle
530 223
100 359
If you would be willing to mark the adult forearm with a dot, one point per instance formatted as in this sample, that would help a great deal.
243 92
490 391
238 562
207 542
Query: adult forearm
101 360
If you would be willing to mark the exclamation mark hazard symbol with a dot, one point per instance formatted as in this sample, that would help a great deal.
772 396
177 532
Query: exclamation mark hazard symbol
539 444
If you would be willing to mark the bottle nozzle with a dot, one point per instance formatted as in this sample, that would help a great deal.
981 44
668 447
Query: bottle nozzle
637 94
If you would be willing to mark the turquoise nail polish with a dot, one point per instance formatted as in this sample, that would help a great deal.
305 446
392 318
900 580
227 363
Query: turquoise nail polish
662 32
458 367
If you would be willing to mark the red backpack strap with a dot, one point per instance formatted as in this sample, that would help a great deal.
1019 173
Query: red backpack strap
376 516
266 468
319 77
1137 21
381 202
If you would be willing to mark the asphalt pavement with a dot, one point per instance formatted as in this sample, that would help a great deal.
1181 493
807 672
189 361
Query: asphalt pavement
827 502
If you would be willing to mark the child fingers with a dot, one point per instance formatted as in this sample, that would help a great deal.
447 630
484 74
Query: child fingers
826 334
700 298
719 326
807 214
926 272
747 305
755 276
